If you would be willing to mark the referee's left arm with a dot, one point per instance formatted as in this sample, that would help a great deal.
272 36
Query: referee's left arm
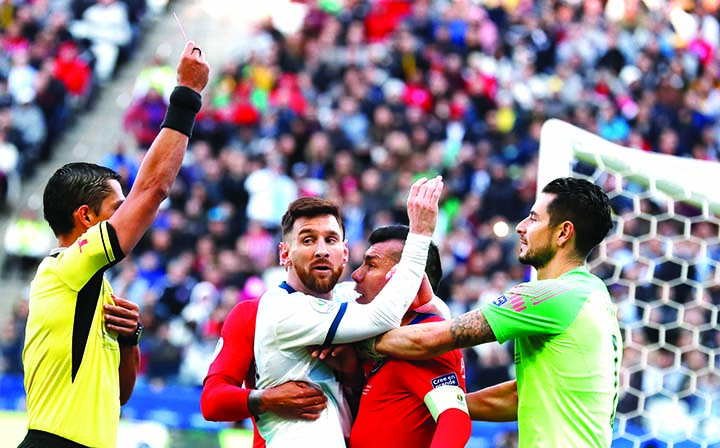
129 366
124 318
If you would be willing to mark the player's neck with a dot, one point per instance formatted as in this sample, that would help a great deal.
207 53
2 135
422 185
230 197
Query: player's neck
558 266
69 239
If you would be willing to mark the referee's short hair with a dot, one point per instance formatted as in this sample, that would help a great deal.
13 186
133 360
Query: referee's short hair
71 186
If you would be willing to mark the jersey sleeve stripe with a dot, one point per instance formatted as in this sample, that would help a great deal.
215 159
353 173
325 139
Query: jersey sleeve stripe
114 244
335 324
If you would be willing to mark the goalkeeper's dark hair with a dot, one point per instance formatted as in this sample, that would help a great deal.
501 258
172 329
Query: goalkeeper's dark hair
71 186
585 205
433 267
309 207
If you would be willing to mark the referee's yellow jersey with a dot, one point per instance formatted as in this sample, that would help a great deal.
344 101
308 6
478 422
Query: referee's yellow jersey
71 361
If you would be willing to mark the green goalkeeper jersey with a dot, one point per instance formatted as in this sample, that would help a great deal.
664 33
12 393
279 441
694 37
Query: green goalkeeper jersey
567 358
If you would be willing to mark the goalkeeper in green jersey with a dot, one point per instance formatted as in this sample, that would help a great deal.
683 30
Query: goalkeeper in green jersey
567 339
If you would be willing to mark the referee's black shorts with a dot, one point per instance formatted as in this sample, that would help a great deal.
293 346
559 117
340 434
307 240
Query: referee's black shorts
42 439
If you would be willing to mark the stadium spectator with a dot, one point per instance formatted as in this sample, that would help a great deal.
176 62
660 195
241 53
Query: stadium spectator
27 241
106 24
75 73
143 117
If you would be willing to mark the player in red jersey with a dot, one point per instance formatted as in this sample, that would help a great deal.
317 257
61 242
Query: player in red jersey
406 403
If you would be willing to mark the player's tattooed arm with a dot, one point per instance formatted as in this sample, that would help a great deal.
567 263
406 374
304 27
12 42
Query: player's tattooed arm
471 329
428 340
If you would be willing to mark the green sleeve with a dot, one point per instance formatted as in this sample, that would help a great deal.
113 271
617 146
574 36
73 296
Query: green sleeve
540 307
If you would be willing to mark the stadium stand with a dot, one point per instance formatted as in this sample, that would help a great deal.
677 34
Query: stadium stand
352 103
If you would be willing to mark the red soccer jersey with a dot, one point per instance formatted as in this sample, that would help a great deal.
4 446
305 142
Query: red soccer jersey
392 408
223 397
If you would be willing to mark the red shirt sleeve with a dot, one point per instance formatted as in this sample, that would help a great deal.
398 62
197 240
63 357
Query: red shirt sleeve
453 429
224 398
453 426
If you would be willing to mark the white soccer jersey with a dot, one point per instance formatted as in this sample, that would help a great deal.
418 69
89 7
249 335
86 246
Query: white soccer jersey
288 321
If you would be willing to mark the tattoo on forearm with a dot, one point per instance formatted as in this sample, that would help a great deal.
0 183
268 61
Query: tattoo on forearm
471 329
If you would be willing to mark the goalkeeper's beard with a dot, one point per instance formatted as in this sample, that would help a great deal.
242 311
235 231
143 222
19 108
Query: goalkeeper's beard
537 258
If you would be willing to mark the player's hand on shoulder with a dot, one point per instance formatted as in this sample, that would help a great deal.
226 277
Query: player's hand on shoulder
193 71
122 317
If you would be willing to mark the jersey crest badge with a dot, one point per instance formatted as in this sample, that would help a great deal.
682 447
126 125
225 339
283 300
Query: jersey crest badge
449 379
500 301
322 306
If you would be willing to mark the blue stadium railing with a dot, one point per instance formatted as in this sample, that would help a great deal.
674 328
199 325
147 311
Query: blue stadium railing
179 407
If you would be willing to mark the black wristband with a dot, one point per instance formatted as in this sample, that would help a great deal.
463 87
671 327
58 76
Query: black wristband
131 341
185 103
253 402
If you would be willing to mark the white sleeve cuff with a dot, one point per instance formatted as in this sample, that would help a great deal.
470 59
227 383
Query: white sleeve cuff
415 253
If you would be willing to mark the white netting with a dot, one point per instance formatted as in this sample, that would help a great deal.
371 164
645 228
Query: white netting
662 266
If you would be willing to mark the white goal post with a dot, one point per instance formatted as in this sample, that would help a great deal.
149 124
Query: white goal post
661 263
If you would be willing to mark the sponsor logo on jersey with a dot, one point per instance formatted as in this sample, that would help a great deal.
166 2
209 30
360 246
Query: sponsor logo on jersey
500 301
321 305
449 379
81 243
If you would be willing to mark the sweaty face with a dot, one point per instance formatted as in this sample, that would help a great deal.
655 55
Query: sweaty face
371 276
315 255
536 237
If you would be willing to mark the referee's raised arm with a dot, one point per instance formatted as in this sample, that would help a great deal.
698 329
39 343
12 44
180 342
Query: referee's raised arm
164 158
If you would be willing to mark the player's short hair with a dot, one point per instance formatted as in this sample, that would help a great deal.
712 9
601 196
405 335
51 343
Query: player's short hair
585 205
71 186
433 266
309 207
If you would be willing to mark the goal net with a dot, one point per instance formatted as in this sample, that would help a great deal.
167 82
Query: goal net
661 263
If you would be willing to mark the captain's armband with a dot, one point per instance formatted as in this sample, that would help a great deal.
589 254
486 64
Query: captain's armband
442 398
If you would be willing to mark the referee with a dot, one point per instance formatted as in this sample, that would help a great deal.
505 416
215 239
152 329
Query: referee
81 356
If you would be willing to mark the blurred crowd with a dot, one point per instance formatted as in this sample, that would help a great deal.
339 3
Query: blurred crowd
55 55
366 96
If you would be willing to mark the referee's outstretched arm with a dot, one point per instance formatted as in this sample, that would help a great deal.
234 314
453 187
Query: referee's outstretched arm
164 158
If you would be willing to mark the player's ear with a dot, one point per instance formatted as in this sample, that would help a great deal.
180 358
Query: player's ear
284 253
566 233
82 217
346 252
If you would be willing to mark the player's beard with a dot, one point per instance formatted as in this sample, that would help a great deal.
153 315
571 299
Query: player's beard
318 285
539 257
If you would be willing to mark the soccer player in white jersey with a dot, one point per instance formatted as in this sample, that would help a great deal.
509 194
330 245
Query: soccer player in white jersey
300 313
